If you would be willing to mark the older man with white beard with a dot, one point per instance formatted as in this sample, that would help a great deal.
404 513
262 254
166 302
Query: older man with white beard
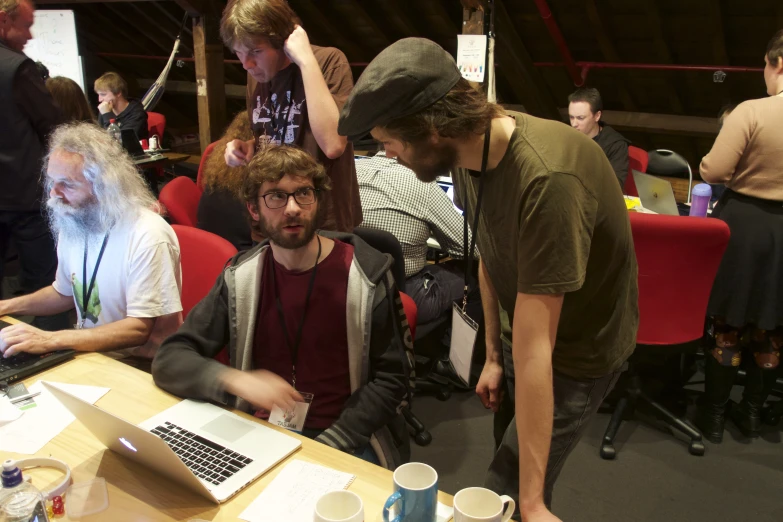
118 260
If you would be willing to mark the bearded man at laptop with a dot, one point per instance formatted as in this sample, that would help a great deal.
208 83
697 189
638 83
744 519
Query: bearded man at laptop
118 260
303 315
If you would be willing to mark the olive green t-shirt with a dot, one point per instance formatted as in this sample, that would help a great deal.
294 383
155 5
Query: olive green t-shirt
553 221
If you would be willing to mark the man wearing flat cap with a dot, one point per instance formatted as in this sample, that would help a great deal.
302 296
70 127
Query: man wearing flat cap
556 251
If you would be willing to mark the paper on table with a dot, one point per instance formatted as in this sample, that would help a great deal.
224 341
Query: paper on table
8 412
39 425
292 495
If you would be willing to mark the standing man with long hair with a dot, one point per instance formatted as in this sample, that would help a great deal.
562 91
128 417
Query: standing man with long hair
555 243
295 91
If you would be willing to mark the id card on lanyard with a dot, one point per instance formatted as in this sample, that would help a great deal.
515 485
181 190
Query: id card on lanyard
87 290
463 328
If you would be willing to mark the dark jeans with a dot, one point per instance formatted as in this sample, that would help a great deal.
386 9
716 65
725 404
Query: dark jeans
366 453
433 289
37 257
575 404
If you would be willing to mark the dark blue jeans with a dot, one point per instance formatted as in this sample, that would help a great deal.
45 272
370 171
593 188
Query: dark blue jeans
576 401
366 453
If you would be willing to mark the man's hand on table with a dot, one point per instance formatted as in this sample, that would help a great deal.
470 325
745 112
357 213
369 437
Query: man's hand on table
261 388
25 338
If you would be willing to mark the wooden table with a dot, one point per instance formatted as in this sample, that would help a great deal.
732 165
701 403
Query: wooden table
169 158
136 493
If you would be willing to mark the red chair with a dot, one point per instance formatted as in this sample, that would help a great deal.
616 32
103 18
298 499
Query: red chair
202 163
637 160
411 312
203 256
678 258
180 198
156 124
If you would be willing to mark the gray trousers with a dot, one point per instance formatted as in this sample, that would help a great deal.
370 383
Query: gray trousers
433 289
575 404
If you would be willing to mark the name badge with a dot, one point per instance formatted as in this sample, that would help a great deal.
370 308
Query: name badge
292 419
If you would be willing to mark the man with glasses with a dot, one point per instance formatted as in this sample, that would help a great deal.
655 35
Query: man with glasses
313 325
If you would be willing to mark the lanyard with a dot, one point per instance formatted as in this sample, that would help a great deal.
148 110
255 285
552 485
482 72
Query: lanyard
294 349
468 253
88 292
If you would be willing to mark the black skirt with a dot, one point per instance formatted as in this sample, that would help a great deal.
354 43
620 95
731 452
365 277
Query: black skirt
748 288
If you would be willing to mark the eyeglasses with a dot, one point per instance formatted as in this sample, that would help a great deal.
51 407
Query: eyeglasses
278 199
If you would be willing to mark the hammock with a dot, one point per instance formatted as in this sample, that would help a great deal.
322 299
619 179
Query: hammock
156 90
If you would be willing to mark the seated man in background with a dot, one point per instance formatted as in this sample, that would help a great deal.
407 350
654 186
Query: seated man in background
114 104
394 200
584 110
118 261
303 315
221 210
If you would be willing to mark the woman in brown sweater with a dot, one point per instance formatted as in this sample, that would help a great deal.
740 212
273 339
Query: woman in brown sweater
746 303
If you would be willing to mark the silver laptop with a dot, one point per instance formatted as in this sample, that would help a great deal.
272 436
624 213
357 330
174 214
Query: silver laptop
655 193
199 445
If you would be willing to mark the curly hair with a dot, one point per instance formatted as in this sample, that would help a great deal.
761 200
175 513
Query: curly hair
219 176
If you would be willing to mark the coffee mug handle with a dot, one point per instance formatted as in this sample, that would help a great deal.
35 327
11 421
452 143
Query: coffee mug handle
509 509
389 503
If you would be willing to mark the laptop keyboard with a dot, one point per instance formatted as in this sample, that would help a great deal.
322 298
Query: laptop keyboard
207 460
17 361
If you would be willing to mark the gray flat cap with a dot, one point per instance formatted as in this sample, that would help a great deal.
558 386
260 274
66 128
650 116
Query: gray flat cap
406 77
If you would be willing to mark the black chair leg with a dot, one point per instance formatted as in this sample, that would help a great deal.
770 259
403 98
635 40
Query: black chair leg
421 436
607 446
696 446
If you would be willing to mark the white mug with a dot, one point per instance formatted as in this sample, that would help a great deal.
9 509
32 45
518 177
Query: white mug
339 506
482 505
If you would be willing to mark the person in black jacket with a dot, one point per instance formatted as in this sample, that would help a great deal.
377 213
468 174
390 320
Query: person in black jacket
114 104
584 110
27 116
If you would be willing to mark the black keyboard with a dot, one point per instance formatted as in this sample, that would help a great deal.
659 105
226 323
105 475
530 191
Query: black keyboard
206 459
24 364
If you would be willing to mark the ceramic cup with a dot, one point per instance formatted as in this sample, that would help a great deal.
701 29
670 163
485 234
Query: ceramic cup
415 494
339 506
482 505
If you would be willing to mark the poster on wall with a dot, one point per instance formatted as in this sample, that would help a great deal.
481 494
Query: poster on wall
471 56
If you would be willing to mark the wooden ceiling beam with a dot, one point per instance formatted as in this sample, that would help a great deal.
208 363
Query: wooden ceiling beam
162 10
196 7
662 48
369 21
515 63
183 45
76 2
152 36
610 52
659 123
384 10
107 23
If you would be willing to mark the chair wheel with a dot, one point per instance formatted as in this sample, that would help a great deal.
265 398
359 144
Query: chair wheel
423 438
443 395
608 452
696 448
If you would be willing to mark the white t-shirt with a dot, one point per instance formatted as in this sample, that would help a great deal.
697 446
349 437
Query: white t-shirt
139 276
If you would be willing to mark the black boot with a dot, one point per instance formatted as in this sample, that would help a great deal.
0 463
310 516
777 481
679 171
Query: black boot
711 412
748 414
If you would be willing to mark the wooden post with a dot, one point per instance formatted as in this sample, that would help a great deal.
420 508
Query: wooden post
210 85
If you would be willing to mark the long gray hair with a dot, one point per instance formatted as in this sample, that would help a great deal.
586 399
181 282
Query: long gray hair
117 186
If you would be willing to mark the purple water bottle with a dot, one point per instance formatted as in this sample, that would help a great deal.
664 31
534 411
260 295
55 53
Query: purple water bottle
700 200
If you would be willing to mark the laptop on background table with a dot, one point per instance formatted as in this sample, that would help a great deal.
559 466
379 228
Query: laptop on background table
656 194
130 142
24 365
203 447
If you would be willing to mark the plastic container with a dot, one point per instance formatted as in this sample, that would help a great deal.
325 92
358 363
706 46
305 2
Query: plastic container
700 200
20 501
114 130
86 498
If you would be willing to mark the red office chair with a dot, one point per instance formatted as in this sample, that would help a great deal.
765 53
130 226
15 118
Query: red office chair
678 258
203 256
202 163
180 198
411 312
156 124
637 160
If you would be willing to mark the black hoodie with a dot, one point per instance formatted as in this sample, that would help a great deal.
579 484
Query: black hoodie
615 146
133 117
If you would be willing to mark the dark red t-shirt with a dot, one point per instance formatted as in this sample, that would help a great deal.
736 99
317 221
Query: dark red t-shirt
322 366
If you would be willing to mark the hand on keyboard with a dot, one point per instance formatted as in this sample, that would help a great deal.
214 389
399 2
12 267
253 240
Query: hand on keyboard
22 337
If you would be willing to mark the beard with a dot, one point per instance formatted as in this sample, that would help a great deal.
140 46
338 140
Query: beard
436 160
280 238
69 223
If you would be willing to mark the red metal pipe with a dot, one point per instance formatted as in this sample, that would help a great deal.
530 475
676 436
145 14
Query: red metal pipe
586 66
577 76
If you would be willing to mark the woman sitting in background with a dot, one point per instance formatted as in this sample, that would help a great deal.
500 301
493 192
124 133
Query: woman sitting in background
70 98
746 303
220 210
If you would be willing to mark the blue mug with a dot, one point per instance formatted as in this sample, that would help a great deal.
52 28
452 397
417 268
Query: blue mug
415 493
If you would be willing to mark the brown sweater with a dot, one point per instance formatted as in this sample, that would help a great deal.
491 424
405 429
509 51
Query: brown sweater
748 154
